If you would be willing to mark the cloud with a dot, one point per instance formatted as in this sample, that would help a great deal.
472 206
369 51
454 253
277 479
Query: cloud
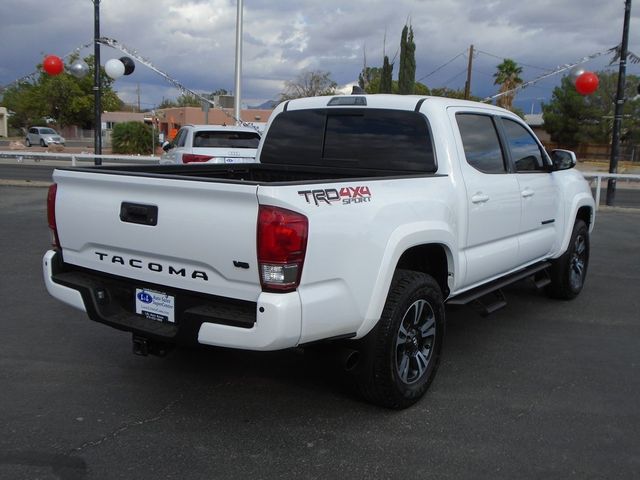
194 41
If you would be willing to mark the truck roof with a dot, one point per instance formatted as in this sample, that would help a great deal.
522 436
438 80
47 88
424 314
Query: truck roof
390 101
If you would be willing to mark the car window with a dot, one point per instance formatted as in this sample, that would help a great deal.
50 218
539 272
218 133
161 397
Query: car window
181 138
33 130
228 139
380 139
48 131
481 144
525 151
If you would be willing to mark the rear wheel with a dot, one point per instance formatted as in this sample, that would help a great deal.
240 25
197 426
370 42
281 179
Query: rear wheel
569 272
27 142
401 354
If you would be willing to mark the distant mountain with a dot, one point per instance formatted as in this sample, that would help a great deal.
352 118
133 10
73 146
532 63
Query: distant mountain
268 105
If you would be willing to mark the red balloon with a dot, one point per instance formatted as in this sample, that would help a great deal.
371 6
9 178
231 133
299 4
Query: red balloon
587 83
53 65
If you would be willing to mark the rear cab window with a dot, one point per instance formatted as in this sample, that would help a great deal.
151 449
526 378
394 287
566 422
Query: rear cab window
376 139
228 139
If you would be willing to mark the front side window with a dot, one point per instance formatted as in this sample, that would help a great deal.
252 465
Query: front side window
481 144
524 149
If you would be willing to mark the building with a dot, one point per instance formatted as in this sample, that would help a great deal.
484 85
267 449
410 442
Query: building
169 120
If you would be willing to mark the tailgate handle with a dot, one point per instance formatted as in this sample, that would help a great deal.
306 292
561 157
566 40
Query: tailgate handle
138 213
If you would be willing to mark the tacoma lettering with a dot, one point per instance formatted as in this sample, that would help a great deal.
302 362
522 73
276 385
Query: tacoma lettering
152 266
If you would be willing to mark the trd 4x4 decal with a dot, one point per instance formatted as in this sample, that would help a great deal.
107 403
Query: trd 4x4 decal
344 196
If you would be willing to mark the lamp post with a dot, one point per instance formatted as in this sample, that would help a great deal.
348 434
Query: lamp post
97 140
617 119
238 71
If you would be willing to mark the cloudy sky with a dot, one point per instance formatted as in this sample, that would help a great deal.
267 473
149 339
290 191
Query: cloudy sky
193 41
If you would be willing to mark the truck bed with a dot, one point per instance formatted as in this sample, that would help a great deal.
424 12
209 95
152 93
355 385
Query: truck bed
258 174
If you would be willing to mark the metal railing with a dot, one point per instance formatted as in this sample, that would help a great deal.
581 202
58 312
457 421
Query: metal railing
598 176
76 158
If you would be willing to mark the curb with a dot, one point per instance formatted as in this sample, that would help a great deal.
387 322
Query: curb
24 183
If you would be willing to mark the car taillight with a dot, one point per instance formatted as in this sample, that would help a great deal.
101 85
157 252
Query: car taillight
192 158
282 244
51 214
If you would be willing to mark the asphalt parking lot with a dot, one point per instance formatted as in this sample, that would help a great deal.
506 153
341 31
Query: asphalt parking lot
540 389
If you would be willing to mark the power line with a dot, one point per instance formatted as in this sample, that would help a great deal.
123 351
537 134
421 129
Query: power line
455 76
440 67
519 63
557 70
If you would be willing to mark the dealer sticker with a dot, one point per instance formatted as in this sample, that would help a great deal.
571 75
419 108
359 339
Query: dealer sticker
156 306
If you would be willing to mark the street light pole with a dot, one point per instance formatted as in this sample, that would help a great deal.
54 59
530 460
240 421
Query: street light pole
237 96
617 119
97 139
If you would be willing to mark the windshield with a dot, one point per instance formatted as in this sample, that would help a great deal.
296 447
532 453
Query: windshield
226 139
48 131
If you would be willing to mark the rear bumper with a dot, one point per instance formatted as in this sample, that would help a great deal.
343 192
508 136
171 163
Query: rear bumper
272 323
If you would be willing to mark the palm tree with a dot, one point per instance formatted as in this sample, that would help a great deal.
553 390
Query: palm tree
508 77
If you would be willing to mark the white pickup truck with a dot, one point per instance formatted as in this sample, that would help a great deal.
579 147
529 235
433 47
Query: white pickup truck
364 217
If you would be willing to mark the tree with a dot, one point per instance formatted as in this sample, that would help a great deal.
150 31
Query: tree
132 138
369 79
65 99
508 77
407 69
571 118
386 76
310 83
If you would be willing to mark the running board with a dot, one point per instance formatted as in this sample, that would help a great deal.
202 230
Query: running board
479 292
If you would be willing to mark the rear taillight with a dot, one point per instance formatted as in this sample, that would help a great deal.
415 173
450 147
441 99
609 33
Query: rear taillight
51 214
282 244
191 158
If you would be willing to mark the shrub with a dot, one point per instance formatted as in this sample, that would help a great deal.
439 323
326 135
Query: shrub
131 138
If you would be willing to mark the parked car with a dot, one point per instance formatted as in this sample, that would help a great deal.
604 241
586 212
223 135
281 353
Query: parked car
43 136
212 144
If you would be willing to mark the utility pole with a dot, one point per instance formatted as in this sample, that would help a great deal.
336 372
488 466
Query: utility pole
97 137
467 85
617 119
238 75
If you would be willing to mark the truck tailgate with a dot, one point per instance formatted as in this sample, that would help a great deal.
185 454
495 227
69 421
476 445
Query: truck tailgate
191 234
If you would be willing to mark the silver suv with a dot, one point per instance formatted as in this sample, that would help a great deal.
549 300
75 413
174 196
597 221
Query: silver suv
43 136
212 144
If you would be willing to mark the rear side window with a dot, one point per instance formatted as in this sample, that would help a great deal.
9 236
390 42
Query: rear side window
364 138
481 144
226 139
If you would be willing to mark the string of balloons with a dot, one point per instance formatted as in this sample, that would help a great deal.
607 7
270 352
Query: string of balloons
116 68
586 82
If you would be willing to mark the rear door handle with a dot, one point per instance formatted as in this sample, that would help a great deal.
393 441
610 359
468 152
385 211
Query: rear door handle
527 193
480 198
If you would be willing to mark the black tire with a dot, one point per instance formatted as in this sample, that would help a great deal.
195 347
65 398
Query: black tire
42 144
27 142
568 273
400 355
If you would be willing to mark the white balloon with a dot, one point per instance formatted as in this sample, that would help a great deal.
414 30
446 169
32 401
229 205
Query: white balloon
576 72
114 68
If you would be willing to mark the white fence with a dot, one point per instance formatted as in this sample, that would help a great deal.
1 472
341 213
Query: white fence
79 158
598 176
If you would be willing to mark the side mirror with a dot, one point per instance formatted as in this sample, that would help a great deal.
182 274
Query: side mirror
563 159
166 146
